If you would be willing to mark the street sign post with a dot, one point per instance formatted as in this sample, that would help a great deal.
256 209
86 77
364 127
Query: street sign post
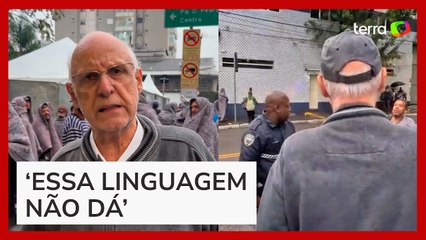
190 62
191 45
190 74
191 18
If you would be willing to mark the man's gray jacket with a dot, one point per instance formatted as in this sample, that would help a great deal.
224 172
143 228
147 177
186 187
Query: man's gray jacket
160 143
355 172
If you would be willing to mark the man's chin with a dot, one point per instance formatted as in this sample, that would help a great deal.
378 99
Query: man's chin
116 126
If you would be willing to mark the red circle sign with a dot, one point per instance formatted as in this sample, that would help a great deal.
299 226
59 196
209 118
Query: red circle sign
191 38
190 70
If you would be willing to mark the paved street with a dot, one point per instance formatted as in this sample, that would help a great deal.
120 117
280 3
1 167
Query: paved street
230 140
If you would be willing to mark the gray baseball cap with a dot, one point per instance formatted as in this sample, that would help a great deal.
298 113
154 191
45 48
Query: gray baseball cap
347 47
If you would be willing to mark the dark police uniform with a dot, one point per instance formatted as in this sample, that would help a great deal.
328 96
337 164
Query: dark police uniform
261 142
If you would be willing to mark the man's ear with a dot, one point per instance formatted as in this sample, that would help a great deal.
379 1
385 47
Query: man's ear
71 92
321 84
139 77
277 109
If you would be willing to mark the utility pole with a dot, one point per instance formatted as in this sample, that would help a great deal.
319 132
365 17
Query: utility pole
235 85
163 80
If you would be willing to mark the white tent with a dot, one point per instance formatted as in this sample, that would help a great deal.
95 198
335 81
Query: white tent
149 86
47 64
42 74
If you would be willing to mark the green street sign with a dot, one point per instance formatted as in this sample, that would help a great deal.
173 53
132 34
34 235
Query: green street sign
190 18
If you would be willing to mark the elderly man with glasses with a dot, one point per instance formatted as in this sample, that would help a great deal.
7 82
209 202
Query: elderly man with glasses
105 84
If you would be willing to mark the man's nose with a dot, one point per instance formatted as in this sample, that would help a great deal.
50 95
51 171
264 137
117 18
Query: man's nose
105 87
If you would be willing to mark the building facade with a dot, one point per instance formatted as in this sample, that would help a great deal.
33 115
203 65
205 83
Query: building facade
276 52
166 75
141 29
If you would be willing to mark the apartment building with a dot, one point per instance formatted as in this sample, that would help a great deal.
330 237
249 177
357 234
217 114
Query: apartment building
141 29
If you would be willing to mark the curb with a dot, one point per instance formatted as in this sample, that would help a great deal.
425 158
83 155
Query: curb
231 126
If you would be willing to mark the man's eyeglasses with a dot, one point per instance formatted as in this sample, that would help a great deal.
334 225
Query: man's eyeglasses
117 72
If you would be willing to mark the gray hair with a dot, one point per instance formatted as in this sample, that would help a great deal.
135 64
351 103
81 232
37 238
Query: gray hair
354 90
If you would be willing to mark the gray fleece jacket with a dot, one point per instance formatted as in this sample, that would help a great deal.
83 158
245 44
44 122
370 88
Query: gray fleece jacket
160 143
355 172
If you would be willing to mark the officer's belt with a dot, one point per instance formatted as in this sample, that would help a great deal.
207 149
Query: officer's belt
269 156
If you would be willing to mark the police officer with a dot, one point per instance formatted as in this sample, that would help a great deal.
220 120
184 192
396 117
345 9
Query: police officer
262 141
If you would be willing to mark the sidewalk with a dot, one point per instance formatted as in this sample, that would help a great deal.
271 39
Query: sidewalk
307 117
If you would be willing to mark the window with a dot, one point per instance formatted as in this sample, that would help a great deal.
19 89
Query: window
315 13
83 22
323 14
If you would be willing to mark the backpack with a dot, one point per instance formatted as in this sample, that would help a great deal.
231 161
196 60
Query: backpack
250 104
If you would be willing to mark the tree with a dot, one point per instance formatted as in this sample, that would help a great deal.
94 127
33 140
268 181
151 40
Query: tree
345 19
40 19
28 29
22 39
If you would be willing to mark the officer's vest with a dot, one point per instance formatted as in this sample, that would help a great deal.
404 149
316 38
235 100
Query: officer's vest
250 104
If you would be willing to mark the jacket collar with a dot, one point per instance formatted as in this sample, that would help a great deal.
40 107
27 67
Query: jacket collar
146 149
354 110
272 125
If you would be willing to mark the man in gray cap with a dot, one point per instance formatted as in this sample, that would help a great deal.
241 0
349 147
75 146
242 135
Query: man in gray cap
355 172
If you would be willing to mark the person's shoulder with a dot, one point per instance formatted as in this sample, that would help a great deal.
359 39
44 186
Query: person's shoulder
410 119
298 140
174 133
257 123
291 126
175 141
68 152
411 125
404 135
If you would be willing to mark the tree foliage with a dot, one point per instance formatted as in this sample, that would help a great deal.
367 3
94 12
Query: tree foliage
345 19
42 20
29 29
22 39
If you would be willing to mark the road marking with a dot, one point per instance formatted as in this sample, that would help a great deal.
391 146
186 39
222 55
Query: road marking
314 115
229 155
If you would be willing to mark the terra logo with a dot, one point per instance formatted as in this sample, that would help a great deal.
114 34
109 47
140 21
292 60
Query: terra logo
395 28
